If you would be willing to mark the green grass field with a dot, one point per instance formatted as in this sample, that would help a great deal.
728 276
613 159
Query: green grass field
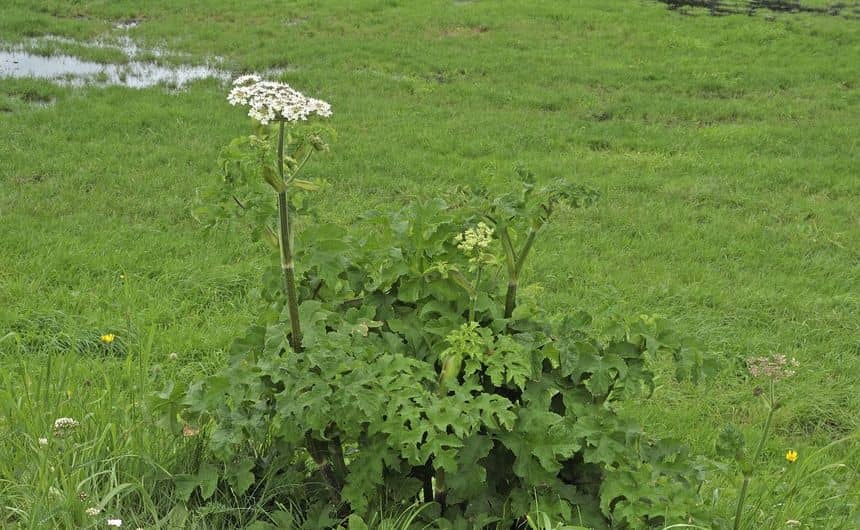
725 149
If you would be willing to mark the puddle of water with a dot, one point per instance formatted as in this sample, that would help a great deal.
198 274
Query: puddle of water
121 43
74 71
139 72
127 24
751 7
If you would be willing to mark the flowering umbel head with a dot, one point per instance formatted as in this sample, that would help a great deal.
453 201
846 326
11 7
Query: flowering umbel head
64 426
775 367
273 101
474 242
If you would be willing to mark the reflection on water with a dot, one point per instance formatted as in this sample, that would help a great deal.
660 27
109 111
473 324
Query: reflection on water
18 61
75 71
751 7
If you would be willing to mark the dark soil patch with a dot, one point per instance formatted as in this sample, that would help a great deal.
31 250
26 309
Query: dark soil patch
752 7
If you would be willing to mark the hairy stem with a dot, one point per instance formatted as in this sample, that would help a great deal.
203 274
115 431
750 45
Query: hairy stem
287 265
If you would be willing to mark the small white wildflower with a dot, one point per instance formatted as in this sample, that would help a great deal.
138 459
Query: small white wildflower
93 511
114 522
173 356
273 101
43 441
64 426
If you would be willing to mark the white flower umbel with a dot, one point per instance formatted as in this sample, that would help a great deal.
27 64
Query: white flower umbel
114 522
64 426
43 441
92 511
273 101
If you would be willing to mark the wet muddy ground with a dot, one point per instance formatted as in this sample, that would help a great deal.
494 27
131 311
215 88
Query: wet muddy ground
753 7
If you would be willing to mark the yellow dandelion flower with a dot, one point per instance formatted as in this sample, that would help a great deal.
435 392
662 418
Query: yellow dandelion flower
107 338
791 456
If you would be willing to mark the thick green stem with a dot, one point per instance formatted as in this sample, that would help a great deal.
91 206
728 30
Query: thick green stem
765 431
511 261
474 298
741 499
514 275
322 452
759 448
339 462
524 253
287 265
511 298
510 253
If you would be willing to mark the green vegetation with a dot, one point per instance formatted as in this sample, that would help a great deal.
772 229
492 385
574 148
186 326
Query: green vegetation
724 149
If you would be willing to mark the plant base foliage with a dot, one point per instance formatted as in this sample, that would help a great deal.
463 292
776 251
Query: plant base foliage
417 381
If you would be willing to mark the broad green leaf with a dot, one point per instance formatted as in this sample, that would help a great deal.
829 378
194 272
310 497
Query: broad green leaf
469 480
601 371
207 477
240 476
356 523
184 486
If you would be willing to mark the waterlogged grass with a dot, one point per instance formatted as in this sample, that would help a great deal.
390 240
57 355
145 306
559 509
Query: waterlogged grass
726 151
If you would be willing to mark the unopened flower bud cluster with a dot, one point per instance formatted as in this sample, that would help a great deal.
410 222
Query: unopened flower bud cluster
473 242
270 101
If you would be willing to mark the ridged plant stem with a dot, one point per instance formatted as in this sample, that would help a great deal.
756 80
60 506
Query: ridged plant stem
287 266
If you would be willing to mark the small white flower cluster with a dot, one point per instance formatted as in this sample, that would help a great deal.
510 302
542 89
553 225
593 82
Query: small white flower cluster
273 101
114 522
775 367
474 240
64 426
92 512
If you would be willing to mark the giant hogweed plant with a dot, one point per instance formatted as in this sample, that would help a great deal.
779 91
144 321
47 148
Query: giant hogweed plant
406 362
